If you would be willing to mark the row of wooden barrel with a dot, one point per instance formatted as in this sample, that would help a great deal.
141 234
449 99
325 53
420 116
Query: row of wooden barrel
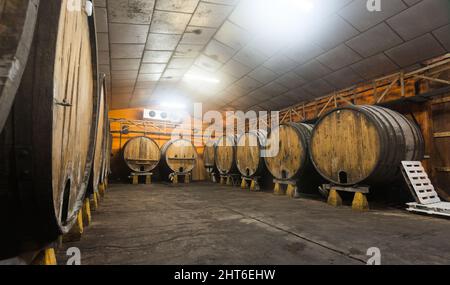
54 136
348 146
143 155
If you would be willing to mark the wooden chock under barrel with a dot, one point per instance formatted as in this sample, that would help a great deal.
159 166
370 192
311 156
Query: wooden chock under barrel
360 202
229 180
46 257
254 186
279 190
244 184
76 231
93 202
292 191
87 217
334 199
101 189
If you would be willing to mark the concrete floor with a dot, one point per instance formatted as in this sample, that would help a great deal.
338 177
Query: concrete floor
213 224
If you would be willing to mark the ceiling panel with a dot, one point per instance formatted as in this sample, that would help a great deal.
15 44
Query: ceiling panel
442 35
339 57
419 49
374 66
263 74
375 40
183 6
162 42
130 11
169 22
210 15
147 47
414 22
357 14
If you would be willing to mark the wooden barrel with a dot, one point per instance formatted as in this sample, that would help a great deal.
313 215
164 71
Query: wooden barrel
209 154
225 155
364 144
178 155
249 156
101 139
141 154
47 145
106 169
290 161
17 24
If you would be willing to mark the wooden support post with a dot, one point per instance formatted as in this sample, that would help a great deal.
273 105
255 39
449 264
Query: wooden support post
360 202
46 257
175 179
86 212
244 184
76 231
148 179
135 179
334 199
278 190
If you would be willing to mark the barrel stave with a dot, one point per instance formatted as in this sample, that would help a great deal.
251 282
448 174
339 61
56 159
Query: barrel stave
292 160
249 153
178 155
225 155
141 154
367 143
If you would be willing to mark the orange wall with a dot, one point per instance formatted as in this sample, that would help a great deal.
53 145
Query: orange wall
118 167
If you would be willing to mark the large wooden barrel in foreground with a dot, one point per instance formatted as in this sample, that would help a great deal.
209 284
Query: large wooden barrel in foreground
178 155
290 160
101 140
364 144
225 156
141 154
17 24
249 156
47 144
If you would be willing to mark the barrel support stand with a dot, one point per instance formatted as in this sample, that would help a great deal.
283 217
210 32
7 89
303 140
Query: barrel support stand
135 177
286 187
175 177
101 189
230 179
77 229
86 211
253 181
359 203
46 256
211 174
93 201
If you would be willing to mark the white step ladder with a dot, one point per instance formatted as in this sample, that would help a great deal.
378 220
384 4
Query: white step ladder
427 200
